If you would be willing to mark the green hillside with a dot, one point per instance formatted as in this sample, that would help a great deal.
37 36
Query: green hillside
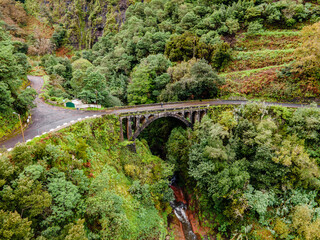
247 42
245 172
59 186
250 171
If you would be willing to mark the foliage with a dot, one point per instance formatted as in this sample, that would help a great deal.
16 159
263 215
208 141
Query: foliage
75 185
14 227
305 70
148 79
254 28
199 82
81 64
58 37
119 36
13 73
187 46
252 165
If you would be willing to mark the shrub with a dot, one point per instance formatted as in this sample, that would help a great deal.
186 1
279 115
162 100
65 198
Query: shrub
254 28
202 84
187 46
81 64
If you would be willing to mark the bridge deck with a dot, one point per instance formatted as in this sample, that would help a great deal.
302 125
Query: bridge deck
188 105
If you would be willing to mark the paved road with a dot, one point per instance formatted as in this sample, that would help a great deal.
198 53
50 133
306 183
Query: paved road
156 107
46 117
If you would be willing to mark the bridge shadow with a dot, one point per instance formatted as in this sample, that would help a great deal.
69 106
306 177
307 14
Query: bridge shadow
158 132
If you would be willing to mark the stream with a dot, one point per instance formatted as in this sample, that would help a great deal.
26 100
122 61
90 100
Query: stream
179 206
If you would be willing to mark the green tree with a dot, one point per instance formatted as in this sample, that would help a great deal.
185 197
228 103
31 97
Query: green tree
76 231
95 91
25 100
5 98
9 68
65 199
148 79
186 46
106 208
13 227
81 64
26 196
202 84
304 171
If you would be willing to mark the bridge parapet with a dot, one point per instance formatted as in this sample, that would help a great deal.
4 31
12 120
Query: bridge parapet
134 123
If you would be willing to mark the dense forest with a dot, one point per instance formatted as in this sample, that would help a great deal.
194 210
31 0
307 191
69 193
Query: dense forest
178 50
82 183
13 95
247 172
250 171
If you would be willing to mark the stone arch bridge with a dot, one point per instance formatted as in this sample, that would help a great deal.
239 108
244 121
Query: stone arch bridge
133 124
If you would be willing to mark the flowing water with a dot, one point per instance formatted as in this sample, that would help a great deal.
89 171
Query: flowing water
179 209
179 206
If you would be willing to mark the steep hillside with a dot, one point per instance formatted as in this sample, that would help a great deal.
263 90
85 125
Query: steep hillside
173 50
82 183
252 172
14 97
247 172
31 32
258 58
82 22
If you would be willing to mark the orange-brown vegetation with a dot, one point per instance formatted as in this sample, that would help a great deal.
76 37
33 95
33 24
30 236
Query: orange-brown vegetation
64 52
25 28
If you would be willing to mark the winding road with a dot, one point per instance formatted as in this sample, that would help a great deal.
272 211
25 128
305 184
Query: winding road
46 117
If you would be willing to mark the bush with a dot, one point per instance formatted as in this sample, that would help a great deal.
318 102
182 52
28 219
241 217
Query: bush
58 37
187 46
81 64
202 83
148 79
254 28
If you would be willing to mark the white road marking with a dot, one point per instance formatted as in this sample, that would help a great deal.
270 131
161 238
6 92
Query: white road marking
79 119
72 121
58 127
51 130
65 124
28 140
44 133
10 149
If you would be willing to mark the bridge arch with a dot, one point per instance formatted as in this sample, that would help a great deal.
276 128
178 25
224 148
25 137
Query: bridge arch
156 117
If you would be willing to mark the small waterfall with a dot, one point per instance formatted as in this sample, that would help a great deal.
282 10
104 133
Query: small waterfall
179 209
179 206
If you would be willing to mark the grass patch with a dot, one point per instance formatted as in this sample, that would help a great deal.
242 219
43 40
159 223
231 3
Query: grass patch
268 42
248 73
9 123
269 52
260 59
278 33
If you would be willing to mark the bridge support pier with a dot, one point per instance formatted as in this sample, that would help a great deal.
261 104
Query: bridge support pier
136 123
129 128
197 116
121 130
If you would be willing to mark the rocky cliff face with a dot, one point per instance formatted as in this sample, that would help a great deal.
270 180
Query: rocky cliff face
85 21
